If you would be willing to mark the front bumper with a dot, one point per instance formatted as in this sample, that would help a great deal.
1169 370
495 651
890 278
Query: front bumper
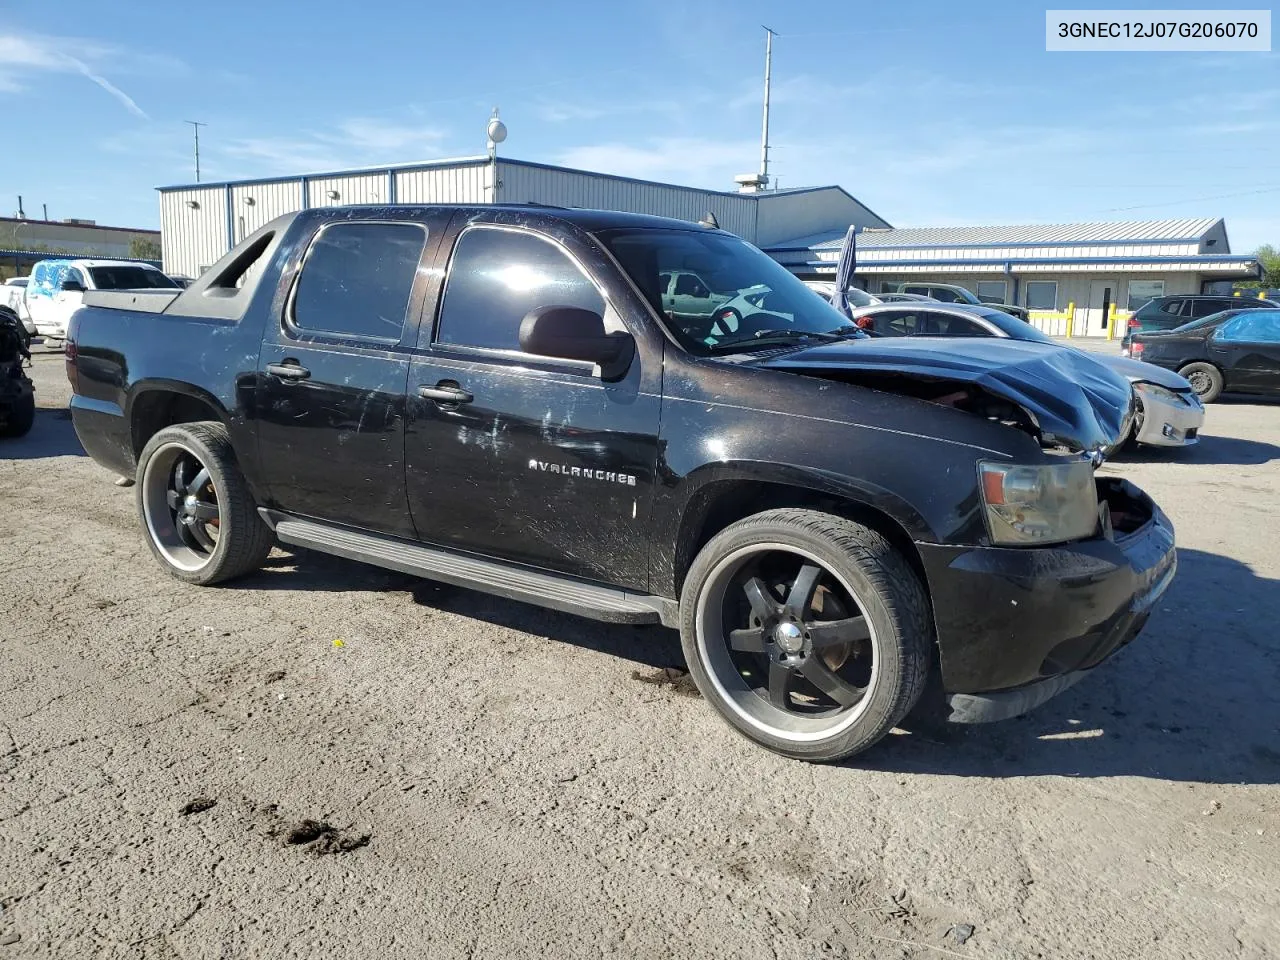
1170 423
1017 626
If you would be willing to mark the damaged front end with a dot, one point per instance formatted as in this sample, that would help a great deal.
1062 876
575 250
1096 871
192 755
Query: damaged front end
1064 398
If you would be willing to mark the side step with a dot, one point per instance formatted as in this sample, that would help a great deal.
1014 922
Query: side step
490 576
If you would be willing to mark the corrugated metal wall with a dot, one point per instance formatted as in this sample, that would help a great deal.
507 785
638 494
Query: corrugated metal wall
193 237
786 216
569 188
460 184
196 238
254 204
351 188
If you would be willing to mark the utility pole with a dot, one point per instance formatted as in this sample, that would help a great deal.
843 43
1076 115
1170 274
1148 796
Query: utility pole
22 214
195 126
764 135
45 208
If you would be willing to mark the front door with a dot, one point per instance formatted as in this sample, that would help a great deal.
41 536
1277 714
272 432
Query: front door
330 390
525 458
1247 348
1102 294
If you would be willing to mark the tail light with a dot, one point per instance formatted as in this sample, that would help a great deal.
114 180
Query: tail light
1134 324
73 371
1135 350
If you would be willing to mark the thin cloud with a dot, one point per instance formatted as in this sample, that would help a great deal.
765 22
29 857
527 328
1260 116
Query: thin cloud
691 160
129 103
28 53
356 142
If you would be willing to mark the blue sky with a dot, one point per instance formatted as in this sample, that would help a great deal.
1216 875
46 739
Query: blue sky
932 113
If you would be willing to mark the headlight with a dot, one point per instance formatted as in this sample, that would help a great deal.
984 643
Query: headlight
1039 505
1157 392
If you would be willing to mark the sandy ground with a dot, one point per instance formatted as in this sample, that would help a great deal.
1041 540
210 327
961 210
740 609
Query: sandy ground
491 780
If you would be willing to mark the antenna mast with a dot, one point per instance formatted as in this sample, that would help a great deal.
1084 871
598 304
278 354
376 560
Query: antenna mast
764 134
196 125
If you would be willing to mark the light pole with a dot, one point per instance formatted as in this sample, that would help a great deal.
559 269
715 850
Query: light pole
496 132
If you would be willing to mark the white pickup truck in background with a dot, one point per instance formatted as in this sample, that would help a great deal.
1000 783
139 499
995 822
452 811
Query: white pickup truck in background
56 288
12 293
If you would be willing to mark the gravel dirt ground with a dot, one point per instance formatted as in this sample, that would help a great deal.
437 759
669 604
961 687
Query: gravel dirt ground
330 760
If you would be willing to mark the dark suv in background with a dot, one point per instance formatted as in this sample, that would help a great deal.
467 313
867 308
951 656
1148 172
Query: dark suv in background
1165 313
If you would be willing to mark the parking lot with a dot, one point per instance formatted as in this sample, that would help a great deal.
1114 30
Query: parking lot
330 760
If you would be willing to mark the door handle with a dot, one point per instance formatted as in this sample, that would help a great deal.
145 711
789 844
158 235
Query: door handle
288 371
445 392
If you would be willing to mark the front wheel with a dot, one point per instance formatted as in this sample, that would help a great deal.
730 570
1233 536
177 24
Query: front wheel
808 632
1205 380
197 513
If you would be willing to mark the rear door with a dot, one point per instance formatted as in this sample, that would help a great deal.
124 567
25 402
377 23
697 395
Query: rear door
520 457
331 375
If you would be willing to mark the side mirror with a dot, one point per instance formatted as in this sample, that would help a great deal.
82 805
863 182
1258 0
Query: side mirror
571 333
71 285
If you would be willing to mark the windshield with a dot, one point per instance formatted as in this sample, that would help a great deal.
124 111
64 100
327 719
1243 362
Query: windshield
743 297
1013 327
129 278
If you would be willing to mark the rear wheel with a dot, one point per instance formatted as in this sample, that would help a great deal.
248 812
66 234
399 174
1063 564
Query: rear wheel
199 518
808 632
1205 380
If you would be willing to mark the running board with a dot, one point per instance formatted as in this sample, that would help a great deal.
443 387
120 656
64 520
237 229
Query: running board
490 576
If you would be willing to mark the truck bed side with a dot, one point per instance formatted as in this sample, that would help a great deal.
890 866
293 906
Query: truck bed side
136 359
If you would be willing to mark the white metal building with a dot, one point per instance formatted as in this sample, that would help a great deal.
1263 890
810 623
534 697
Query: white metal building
1064 273
200 222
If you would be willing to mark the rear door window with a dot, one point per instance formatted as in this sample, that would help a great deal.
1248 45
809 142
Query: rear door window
357 280
898 323
1172 308
949 325
497 276
1202 308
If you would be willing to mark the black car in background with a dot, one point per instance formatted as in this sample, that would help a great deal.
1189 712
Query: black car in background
1166 313
1235 351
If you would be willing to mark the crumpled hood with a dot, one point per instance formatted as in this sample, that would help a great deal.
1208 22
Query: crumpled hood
1076 400
1135 371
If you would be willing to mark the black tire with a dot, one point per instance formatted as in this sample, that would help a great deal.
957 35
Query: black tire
1206 380
21 416
243 540
1130 442
859 568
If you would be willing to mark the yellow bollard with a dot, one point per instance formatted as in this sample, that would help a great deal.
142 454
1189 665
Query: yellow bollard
1111 323
1071 316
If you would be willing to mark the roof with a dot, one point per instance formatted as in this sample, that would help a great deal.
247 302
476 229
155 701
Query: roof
473 161
1242 265
36 222
1115 231
325 174
39 257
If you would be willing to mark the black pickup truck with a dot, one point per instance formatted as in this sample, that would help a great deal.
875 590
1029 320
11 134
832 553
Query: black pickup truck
494 397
